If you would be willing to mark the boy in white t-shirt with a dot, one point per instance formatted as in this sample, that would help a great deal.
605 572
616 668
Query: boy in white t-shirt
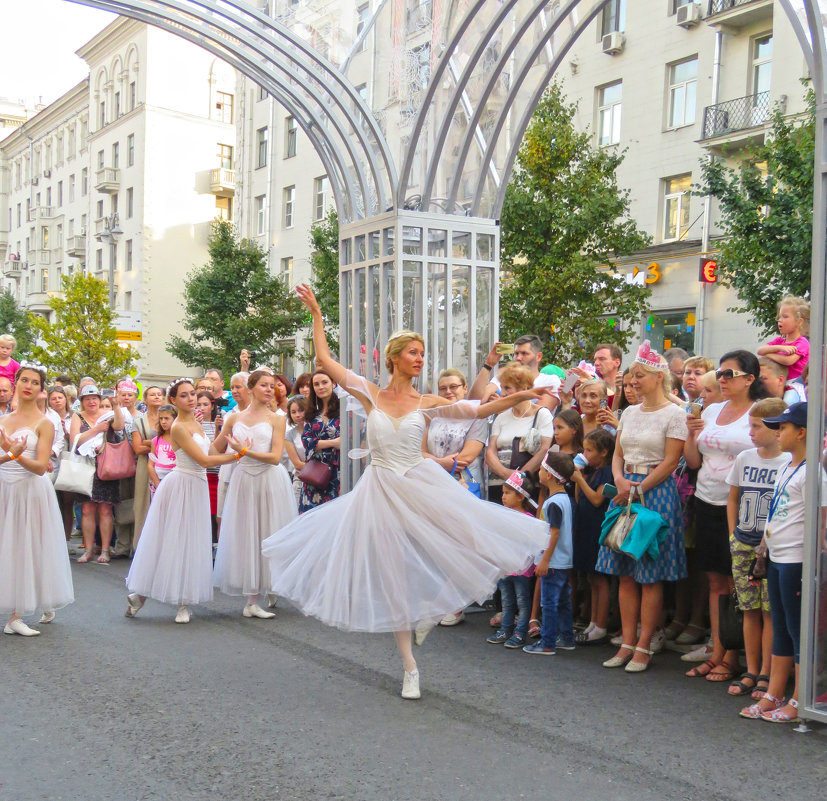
751 483
784 538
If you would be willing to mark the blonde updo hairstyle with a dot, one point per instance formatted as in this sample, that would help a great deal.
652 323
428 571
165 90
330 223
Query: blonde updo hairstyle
517 375
397 343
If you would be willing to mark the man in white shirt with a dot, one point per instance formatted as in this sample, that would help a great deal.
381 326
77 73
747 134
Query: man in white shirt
607 360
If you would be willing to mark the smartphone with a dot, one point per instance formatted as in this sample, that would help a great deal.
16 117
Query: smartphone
604 404
571 380
609 490
696 409
504 349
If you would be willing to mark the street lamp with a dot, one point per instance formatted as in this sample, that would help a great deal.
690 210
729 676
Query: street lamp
110 233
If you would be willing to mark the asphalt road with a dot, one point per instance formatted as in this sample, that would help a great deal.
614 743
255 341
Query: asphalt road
102 708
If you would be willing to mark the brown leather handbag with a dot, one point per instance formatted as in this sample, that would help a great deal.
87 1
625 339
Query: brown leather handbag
116 461
315 473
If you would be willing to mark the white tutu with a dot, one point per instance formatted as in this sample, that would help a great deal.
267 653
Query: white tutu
259 500
408 544
173 560
34 564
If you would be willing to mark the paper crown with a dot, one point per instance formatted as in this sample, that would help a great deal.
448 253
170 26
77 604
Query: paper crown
515 481
650 358
588 367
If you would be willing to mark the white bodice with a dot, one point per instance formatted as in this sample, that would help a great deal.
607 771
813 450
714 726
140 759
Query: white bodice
186 464
396 442
261 435
12 471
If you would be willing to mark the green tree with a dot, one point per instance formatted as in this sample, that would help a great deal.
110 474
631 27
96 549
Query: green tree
564 217
233 303
15 321
324 260
82 340
766 205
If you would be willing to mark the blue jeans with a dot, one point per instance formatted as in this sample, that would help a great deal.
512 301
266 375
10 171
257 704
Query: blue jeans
515 592
784 585
555 601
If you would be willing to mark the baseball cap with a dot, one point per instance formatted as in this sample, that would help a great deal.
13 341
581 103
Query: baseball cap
89 389
795 414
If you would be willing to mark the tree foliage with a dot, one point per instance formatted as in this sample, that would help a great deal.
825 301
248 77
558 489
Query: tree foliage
82 340
564 216
233 302
324 260
15 321
766 207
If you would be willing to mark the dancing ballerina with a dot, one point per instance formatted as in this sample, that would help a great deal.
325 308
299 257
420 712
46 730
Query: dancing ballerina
260 497
34 565
173 560
408 545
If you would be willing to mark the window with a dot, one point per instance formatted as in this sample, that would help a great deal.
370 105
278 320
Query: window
113 256
84 133
59 156
84 182
671 329
116 155
224 107
225 156
48 196
102 114
128 255
683 84
676 207
44 280
130 198
224 208
132 95
290 135
262 93
362 17
70 228
117 109
71 188
71 142
362 90
47 157
609 107
44 237
83 224
19 215
321 189
261 214
99 207
130 150
58 236
59 194
99 259
289 201
613 17
287 268
761 64
261 151
113 204
101 160
420 60
127 301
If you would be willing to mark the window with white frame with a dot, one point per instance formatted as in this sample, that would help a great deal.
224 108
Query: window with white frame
261 215
683 86
321 193
262 139
116 155
99 260
225 156
71 142
44 280
288 203
224 107
761 64
117 109
59 194
128 255
613 17
71 187
287 268
127 301
59 235
130 150
44 237
84 182
676 207
262 93
362 17
290 136
609 102
132 95
130 202
101 160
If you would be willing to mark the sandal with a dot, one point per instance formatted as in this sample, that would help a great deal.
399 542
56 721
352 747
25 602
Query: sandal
727 674
739 688
496 620
697 672
759 692
87 557
674 629
777 716
103 559
691 635
756 711
534 628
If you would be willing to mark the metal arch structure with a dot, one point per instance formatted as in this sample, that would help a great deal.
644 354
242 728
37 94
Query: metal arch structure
324 103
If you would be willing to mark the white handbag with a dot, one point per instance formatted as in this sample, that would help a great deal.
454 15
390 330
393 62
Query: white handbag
624 523
76 473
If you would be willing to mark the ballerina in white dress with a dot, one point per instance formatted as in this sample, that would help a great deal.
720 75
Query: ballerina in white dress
173 560
408 544
34 563
259 499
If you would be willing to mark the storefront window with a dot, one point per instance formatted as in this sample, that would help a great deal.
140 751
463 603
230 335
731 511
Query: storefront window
671 329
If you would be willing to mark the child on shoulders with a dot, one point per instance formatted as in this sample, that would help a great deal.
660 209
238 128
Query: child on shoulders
792 348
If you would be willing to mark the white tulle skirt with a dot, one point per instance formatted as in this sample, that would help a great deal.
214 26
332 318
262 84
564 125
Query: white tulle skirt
258 503
399 550
173 560
34 564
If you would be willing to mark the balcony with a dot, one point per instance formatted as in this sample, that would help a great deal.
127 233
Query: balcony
42 256
222 182
108 180
40 212
737 121
736 14
38 302
76 247
13 267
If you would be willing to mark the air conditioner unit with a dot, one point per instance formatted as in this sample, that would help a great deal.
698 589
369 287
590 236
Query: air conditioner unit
613 43
689 15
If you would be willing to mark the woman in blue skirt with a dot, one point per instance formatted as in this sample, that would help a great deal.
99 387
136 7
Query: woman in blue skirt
649 444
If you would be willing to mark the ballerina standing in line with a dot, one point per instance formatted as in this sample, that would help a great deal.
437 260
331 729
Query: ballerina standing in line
34 564
408 545
173 560
260 497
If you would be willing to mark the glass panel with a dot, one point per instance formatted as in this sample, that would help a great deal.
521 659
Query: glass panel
391 323
460 328
436 355
373 245
373 316
485 247
387 242
437 242
361 302
359 247
345 345
461 245
412 296
674 329
484 312
412 240
347 252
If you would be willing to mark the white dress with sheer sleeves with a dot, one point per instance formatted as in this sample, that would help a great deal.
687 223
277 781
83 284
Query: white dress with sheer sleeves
260 499
35 574
173 560
407 545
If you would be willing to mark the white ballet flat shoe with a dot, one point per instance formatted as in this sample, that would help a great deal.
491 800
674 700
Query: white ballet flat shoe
183 615
19 627
254 610
410 686
47 617
421 631
135 602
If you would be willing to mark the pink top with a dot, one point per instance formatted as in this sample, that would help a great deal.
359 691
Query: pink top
164 453
802 345
9 370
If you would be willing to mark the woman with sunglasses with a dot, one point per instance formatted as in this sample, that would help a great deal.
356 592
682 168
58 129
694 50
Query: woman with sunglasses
714 440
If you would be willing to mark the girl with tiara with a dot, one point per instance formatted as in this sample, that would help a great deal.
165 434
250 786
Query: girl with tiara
34 564
408 545
260 497
173 560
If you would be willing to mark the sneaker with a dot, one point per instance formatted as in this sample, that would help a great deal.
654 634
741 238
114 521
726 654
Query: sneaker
537 648
515 641
453 619
699 654
498 638
566 645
